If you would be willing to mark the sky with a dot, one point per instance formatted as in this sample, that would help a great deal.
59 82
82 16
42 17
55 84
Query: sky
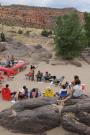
82 5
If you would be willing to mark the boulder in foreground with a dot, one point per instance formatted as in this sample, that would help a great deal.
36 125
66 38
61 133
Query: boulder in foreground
76 116
32 116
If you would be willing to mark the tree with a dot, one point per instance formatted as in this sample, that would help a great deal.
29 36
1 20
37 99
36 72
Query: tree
87 27
68 36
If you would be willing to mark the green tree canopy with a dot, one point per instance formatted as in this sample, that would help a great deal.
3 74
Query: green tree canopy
68 36
87 27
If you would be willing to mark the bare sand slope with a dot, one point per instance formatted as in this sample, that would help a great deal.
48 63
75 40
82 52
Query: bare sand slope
68 71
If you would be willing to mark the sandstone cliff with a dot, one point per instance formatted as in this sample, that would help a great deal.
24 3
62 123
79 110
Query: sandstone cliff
32 16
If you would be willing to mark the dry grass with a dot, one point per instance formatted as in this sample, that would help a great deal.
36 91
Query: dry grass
33 39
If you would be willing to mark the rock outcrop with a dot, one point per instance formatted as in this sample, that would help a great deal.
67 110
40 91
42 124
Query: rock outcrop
60 61
32 116
33 54
40 54
2 47
36 116
76 117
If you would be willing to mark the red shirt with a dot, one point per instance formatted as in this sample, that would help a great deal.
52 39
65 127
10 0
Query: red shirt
6 93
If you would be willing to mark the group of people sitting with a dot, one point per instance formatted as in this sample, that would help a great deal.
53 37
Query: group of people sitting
47 77
40 77
24 93
67 91
71 90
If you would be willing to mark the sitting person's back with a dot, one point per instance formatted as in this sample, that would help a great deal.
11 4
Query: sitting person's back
6 93
63 91
34 93
46 76
25 91
23 94
77 89
76 78
39 76
49 92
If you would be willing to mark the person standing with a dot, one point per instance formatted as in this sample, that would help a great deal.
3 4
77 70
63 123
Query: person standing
12 60
8 64
33 71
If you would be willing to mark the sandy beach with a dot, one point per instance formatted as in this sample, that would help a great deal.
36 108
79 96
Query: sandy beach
67 70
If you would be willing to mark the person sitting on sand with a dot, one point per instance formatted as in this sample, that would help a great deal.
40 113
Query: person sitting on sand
34 93
39 76
56 81
76 78
61 80
63 93
7 94
53 80
75 91
23 94
48 92
47 76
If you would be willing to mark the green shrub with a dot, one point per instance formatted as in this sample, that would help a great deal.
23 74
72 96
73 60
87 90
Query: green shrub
46 33
50 32
87 27
20 31
2 36
27 33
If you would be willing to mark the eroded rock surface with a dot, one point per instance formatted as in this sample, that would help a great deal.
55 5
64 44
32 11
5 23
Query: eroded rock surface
2 47
34 54
32 116
37 116
76 117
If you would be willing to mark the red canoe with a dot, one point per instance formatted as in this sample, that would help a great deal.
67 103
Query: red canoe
19 66
7 70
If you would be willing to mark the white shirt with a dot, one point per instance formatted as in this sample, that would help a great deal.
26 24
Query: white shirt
22 91
77 91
